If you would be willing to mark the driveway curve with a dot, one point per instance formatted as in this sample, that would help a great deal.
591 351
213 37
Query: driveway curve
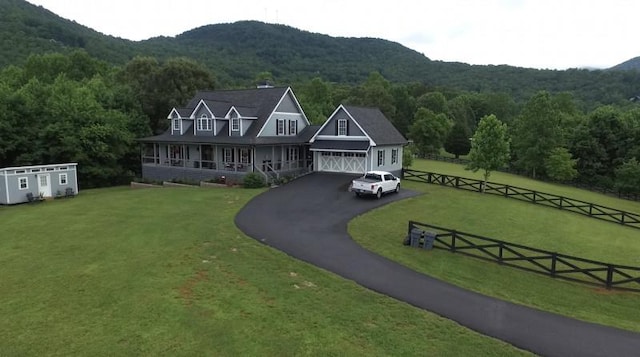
308 218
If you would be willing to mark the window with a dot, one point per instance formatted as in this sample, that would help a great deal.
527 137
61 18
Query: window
381 158
20 171
244 156
23 183
235 124
394 156
63 179
204 123
293 127
279 126
176 124
35 170
228 154
342 127
293 154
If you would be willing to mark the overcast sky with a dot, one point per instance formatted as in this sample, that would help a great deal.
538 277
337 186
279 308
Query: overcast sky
556 34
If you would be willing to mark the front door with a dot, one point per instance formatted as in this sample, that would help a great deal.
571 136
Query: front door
44 185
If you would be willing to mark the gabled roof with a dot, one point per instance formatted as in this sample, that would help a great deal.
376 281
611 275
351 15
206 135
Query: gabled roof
259 103
374 124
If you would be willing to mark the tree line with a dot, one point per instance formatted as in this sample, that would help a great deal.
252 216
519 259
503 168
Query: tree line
75 108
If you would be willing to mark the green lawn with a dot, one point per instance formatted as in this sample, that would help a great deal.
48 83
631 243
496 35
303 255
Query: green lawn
166 272
521 181
382 231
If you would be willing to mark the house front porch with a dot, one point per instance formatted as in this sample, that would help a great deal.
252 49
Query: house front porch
202 162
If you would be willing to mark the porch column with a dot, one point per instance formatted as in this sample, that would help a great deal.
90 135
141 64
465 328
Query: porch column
200 156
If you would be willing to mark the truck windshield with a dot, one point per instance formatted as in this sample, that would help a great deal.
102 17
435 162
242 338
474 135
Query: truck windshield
373 177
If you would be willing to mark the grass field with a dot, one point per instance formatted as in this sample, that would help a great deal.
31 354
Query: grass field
382 231
166 272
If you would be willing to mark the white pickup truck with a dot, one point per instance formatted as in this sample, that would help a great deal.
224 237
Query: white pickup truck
375 183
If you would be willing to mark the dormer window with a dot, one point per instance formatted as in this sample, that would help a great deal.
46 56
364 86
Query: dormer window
176 124
235 124
342 127
204 123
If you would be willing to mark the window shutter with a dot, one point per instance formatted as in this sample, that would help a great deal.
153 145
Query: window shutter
347 125
337 121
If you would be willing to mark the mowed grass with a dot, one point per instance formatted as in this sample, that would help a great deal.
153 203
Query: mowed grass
165 272
383 230
522 181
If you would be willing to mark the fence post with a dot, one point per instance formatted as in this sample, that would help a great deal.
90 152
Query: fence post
609 276
622 218
534 196
457 181
561 201
554 258
429 177
454 234
500 253
506 190
590 209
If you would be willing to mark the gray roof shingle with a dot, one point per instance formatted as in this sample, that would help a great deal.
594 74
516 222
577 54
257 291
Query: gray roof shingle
376 125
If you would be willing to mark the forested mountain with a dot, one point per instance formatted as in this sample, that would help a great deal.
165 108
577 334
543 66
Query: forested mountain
237 52
632 64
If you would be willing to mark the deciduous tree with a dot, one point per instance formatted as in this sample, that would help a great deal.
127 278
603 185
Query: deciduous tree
489 147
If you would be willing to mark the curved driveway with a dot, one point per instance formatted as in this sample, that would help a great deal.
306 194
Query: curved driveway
307 219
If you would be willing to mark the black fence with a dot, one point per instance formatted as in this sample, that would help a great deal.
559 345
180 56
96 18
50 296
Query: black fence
561 266
589 187
523 194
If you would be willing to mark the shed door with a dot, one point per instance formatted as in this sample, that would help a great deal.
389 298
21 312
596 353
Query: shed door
44 184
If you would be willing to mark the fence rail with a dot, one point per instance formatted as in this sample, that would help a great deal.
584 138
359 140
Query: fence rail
552 264
523 194
595 188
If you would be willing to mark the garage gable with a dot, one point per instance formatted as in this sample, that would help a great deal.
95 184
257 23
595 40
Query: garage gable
332 126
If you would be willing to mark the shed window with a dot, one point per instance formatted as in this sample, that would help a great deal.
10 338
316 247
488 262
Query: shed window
342 127
235 124
176 124
394 156
23 183
63 179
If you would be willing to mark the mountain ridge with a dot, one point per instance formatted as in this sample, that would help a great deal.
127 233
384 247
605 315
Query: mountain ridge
237 52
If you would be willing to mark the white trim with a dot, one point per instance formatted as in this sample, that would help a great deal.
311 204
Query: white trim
6 188
304 116
295 99
203 118
345 128
72 166
228 115
339 150
26 181
172 111
342 138
341 106
66 179
195 110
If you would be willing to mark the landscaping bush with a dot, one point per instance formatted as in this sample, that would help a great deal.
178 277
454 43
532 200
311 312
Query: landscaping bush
253 180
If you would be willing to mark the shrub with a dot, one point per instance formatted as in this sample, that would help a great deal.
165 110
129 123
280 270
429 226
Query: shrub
253 180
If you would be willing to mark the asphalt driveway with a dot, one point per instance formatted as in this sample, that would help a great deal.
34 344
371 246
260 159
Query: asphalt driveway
307 219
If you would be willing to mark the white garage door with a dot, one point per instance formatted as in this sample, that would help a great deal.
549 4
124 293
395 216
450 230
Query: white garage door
347 162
